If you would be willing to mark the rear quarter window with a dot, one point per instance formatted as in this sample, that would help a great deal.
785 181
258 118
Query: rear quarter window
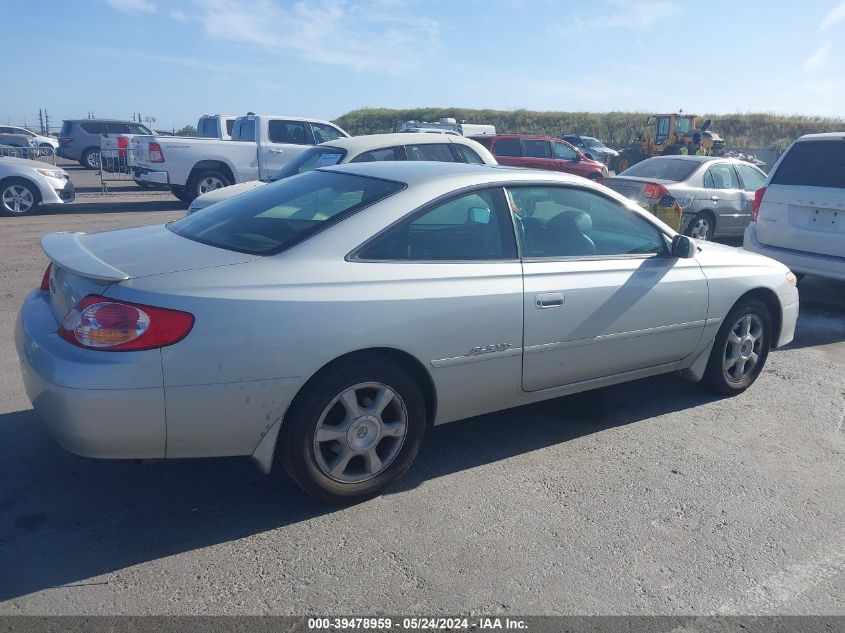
813 164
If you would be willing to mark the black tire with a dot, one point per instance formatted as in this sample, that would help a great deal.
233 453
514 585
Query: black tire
18 193
625 160
199 182
298 444
722 380
90 158
702 226
181 193
45 149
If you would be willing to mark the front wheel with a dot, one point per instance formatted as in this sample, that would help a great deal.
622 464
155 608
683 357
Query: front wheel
18 197
354 430
91 159
740 349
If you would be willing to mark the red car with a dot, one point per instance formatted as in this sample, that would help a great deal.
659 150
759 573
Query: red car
541 152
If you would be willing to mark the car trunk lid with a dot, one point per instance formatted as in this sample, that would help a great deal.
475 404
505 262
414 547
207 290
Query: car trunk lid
632 187
86 264
809 219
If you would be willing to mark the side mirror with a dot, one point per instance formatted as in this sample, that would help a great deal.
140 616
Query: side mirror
683 247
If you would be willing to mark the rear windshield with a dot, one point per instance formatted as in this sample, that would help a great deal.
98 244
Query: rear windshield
67 126
672 169
270 219
323 156
813 164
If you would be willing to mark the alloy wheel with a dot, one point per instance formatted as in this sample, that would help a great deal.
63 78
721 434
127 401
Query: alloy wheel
209 183
360 432
743 348
17 199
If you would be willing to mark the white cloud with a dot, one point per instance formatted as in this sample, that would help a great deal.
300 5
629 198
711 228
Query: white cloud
132 6
818 59
835 15
383 37
628 15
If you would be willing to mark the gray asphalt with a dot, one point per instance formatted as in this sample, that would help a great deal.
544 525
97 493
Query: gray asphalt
646 498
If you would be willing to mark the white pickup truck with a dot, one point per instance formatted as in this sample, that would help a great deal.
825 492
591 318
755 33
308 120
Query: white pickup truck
260 146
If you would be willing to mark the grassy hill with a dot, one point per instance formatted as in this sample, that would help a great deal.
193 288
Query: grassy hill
752 130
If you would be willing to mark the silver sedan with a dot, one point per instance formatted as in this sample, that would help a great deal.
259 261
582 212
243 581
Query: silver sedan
714 194
323 322
26 184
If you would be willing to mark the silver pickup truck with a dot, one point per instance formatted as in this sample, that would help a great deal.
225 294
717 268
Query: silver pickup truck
260 146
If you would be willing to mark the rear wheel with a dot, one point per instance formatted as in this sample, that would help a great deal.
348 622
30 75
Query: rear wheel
205 181
18 197
181 193
701 227
740 349
90 158
354 430
45 149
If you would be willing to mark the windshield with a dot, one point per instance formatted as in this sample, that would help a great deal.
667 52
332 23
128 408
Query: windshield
270 219
322 156
673 169
592 142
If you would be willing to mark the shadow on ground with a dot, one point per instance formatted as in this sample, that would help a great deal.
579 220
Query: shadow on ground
66 519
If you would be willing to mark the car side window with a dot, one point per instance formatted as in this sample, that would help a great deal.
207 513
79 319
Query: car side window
721 176
467 154
573 222
430 151
535 148
292 132
385 153
323 133
507 147
563 151
91 127
470 227
244 130
752 179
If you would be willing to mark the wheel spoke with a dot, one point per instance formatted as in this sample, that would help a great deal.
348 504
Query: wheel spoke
349 400
373 461
746 326
752 361
330 433
394 429
341 462
740 367
733 339
730 361
382 400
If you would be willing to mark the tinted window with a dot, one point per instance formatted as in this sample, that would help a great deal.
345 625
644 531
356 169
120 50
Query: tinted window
385 153
292 132
683 125
752 179
574 140
323 133
270 219
537 149
486 141
662 129
430 151
207 128
571 222
468 227
230 123
136 128
813 164
721 177
564 151
244 130
467 154
311 158
507 147
674 169
91 127
115 128
67 126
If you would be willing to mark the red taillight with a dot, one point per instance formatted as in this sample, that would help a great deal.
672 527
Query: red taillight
45 280
755 204
122 144
65 140
156 155
118 326
655 191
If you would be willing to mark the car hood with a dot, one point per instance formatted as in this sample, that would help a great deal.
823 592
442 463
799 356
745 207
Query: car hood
224 193
713 254
24 162
132 253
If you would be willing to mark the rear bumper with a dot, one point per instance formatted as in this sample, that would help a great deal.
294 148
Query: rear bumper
65 152
798 261
143 174
94 404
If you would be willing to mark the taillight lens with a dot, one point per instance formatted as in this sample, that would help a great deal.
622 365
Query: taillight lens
655 191
156 155
122 144
755 203
45 280
118 326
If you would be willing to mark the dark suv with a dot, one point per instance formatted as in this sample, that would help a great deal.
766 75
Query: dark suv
541 152
79 139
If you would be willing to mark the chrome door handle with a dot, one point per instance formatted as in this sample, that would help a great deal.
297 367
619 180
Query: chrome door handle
714 198
549 300
276 151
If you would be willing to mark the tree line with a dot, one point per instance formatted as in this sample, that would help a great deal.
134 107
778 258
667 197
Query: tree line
617 129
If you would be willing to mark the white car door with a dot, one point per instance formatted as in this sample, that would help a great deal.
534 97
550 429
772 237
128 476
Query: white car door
601 294
285 140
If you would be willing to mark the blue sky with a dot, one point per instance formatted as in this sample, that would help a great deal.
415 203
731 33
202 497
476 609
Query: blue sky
178 59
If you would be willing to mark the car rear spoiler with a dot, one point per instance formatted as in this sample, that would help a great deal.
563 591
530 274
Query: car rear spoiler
68 252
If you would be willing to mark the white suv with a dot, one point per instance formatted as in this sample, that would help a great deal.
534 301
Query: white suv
798 216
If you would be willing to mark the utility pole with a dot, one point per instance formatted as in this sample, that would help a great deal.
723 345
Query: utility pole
41 120
46 122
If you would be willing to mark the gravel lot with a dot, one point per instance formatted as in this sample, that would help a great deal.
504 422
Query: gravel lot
651 497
